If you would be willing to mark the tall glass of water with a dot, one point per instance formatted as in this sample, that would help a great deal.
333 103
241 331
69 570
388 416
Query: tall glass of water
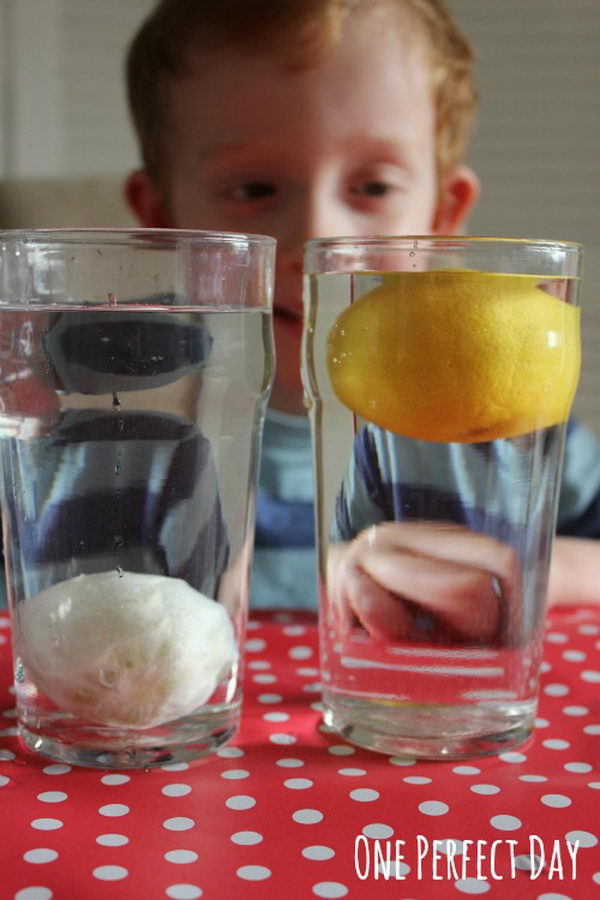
135 368
439 374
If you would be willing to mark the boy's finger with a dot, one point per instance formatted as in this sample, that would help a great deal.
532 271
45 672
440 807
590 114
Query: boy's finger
463 597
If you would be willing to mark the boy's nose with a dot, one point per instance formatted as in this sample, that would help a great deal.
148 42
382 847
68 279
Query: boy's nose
314 217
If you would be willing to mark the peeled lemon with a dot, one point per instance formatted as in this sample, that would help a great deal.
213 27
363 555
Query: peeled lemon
456 355
130 650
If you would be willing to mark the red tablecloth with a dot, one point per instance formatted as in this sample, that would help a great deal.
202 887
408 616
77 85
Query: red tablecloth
280 812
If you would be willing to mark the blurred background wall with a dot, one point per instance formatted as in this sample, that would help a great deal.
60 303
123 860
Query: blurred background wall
65 139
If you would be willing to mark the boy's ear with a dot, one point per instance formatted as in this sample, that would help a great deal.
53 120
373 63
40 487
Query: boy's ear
144 200
459 192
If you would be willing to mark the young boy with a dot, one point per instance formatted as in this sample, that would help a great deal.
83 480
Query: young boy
306 118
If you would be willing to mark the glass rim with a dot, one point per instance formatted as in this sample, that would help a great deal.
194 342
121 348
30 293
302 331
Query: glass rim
109 235
411 241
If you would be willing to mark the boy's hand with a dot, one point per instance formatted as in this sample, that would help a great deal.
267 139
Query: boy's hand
423 581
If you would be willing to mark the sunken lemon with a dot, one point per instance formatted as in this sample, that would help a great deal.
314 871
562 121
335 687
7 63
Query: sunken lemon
128 649
456 355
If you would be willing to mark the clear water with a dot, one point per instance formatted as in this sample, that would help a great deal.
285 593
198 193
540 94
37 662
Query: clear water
417 658
130 441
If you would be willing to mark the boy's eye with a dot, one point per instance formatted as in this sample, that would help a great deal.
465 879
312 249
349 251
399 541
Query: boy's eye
373 188
254 190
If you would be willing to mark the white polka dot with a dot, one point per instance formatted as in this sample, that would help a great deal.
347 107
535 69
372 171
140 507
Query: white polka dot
52 796
177 767
178 823
110 873
46 824
235 774
300 652
298 784
592 676
176 790
545 667
472 886
114 809
183 892
40 855
115 779
588 629
112 840
253 873
341 750
10 713
276 717
181 857
575 710
451 846
556 690
525 862
402 761
512 757
596 877
577 767
317 852
283 739
313 688
574 655
466 770
485 788
585 838
541 723
253 626
269 698
364 795
557 801
351 773
240 801
246 838
34 893
329 889
594 784
230 752
592 729
555 637
555 744
307 816
259 664
552 896
57 769
533 778
255 645
377 830
505 823
4 780
264 678
416 779
294 630
289 763
433 808
317 705
307 672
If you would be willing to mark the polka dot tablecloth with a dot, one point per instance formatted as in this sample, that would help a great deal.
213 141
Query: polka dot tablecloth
290 811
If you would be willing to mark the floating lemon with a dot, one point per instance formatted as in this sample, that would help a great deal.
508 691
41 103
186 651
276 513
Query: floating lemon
456 355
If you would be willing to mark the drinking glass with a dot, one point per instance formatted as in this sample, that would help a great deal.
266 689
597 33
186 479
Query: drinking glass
135 368
439 375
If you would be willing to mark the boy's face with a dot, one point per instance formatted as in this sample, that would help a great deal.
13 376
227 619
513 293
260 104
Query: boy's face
344 148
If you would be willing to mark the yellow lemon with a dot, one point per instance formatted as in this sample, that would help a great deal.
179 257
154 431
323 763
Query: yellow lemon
456 355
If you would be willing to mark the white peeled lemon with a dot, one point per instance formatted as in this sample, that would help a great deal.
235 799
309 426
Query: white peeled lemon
126 649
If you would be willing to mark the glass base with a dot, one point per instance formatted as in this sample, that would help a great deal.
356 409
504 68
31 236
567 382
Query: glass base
430 731
125 750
